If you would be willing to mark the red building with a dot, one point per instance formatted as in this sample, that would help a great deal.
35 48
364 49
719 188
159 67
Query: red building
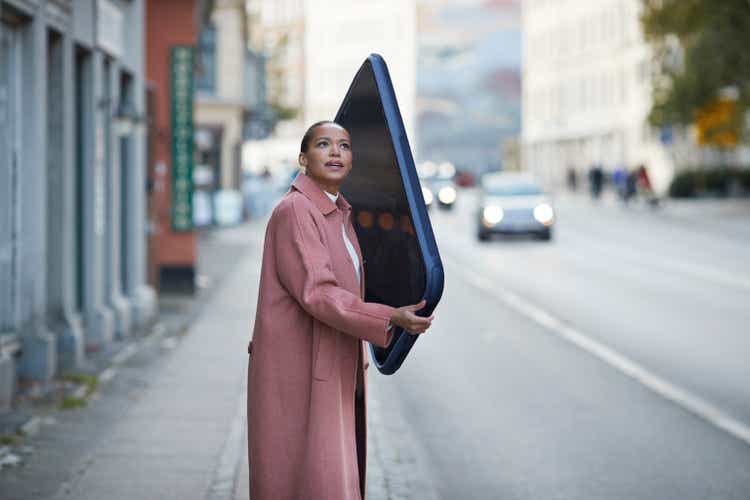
170 25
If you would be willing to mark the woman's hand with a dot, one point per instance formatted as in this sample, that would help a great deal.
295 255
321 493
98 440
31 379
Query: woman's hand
406 319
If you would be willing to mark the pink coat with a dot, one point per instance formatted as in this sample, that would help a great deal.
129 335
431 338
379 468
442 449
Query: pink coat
306 382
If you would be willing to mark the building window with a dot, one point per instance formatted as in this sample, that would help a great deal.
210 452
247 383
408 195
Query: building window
206 77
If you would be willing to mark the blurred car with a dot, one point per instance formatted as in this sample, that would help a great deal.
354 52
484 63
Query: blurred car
428 196
446 193
465 179
513 203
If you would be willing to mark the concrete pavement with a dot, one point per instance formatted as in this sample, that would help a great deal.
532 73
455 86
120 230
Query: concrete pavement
183 436
168 417
163 422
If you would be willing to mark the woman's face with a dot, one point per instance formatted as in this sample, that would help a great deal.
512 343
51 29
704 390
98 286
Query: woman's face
328 159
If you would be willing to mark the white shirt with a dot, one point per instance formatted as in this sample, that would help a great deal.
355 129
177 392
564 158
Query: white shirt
347 242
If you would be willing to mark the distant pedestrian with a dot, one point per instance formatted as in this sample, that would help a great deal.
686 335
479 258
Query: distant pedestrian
644 186
306 407
596 181
631 185
620 180
572 179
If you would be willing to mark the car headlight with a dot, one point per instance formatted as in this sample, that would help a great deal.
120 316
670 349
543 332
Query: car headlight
544 214
447 195
427 195
493 214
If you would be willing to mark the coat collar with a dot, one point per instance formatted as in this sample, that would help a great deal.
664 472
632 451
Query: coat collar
312 191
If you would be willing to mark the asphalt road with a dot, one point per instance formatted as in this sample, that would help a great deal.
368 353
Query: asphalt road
609 363
612 362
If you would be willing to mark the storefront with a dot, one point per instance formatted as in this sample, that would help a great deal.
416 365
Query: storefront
72 177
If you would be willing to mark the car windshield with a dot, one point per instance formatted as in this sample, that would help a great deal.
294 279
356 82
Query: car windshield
512 190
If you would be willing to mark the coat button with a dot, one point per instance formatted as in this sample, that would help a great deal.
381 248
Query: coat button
367 365
250 347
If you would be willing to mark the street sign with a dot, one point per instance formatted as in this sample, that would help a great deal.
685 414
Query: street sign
718 124
666 135
181 90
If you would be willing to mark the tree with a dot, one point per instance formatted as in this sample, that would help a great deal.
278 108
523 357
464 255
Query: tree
702 77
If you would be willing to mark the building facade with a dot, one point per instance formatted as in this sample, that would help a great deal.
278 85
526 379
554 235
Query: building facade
171 26
278 31
223 96
313 50
586 91
339 37
72 177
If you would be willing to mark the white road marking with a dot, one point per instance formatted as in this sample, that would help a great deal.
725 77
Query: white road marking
80 392
621 363
31 427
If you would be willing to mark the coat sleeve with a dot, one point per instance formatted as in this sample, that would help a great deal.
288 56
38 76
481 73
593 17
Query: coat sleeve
304 267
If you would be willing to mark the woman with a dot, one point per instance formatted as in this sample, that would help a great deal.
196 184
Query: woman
306 379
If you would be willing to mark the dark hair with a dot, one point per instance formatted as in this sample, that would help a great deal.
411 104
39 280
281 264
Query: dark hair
308 135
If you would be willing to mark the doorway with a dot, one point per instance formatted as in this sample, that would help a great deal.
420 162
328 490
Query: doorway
10 152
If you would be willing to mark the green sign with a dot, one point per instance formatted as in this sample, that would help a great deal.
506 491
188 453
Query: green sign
181 88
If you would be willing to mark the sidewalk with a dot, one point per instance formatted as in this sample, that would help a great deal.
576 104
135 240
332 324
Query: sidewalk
167 419
726 215
183 436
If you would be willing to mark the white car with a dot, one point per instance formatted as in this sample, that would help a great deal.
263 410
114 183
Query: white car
428 196
445 191
513 203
